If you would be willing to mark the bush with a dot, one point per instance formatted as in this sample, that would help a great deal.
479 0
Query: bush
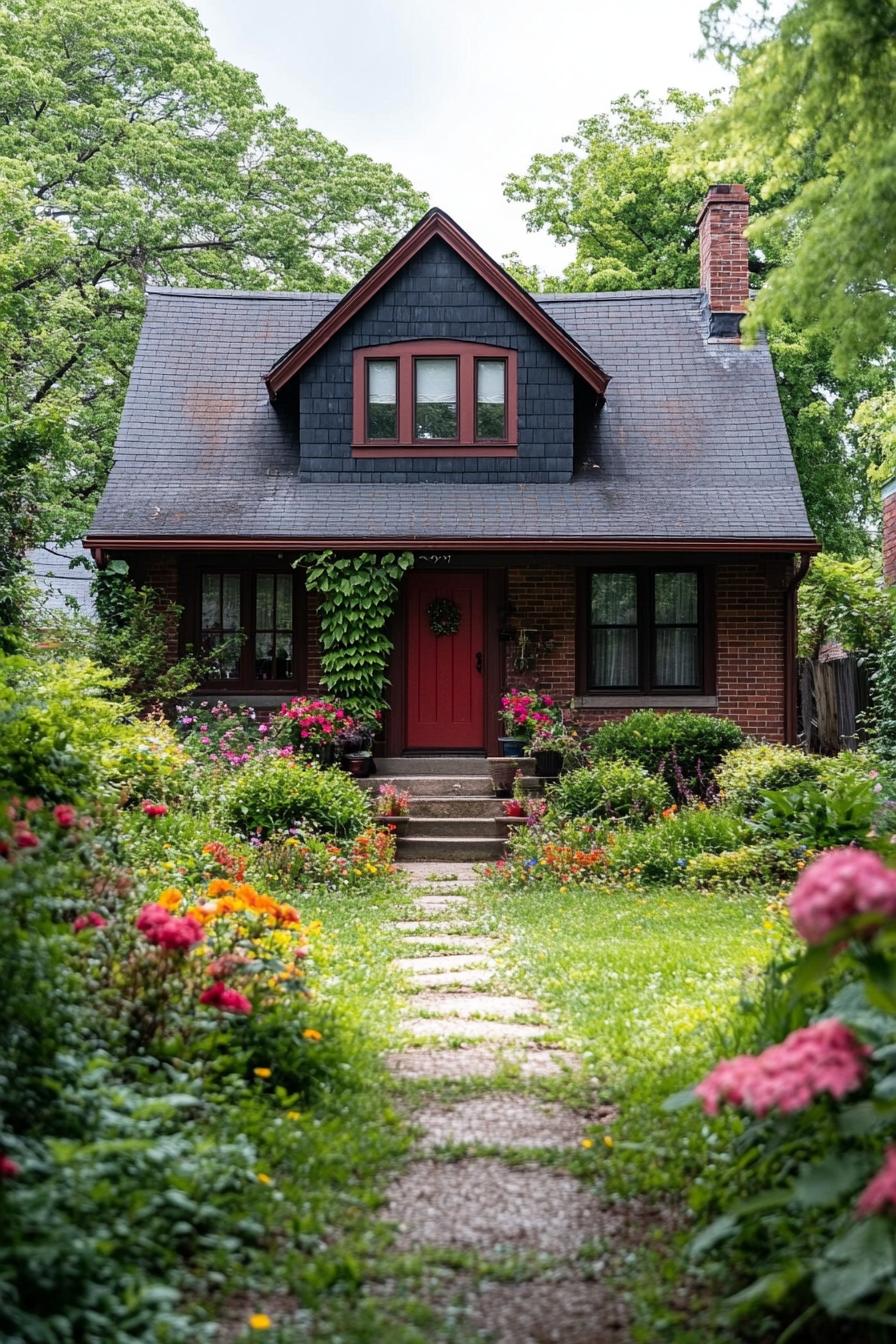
822 815
147 761
750 770
612 791
277 793
683 746
660 852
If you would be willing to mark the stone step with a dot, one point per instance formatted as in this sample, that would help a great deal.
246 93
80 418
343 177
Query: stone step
434 786
402 766
461 828
476 805
450 849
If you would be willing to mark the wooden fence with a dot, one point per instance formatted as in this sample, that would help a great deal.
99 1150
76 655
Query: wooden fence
833 694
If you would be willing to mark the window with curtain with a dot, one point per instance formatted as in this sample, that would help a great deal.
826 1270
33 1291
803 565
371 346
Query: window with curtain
645 630
273 627
491 398
220 624
382 399
435 398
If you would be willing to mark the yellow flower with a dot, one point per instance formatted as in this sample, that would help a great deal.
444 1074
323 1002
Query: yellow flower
258 1321
587 1143
311 1035
293 1115
262 1073
167 866
608 1140
263 1177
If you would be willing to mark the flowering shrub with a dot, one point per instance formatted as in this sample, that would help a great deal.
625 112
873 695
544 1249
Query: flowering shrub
612 791
684 747
819 1104
309 724
662 850
221 734
525 713
275 793
573 853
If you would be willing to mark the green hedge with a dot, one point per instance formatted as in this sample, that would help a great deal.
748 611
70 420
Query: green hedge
277 793
685 746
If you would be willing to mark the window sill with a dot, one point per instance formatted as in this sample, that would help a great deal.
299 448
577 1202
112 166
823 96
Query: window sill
424 450
651 701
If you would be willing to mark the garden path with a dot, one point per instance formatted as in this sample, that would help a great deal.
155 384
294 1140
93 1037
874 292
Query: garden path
494 1181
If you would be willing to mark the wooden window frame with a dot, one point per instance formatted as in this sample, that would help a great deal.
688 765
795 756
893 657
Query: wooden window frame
406 353
246 683
647 687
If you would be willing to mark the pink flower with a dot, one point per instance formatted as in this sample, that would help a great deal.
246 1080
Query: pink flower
264 728
879 1196
228 1000
91 920
226 965
154 809
65 814
842 883
176 933
23 837
825 1057
34 805
8 1168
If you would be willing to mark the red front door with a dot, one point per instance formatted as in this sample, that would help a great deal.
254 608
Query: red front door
445 674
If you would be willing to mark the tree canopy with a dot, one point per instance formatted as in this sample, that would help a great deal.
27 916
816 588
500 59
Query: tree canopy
130 154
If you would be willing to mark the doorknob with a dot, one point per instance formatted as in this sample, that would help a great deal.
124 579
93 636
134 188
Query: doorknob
479 662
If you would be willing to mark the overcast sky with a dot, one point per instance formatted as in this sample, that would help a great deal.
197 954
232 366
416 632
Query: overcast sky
457 95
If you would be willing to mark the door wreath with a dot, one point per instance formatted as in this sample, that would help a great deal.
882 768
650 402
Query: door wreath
444 616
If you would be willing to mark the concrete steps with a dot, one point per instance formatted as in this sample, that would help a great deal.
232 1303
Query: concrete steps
449 849
453 808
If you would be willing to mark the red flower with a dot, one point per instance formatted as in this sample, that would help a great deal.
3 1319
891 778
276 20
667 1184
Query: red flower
23 837
225 965
228 1000
154 809
8 1168
176 933
65 814
89 921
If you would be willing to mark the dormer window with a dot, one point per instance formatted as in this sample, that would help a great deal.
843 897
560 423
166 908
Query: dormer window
435 398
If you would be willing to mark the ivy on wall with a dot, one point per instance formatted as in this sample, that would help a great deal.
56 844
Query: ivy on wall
357 596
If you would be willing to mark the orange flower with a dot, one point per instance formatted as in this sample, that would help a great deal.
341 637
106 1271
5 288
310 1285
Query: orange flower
219 886
170 898
311 1035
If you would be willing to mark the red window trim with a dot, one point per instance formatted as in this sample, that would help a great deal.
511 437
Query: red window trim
467 353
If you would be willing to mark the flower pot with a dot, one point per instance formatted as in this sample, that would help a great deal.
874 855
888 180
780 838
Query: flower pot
503 771
512 746
548 763
325 753
397 824
360 765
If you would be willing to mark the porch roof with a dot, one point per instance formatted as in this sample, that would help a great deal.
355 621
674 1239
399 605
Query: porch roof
689 447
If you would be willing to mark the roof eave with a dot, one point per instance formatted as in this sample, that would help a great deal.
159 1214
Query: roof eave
436 224
107 541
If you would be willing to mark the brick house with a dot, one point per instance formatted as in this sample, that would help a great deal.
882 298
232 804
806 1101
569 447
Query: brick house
601 484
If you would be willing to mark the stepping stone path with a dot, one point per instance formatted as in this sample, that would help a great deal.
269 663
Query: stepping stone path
457 1029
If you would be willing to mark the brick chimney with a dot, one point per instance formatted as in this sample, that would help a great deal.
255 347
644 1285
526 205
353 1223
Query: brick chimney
724 272
888 499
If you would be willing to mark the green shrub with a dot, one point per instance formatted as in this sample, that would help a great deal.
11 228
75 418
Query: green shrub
660 852
820 816
748 771
279 793
613 790
684 746
147 761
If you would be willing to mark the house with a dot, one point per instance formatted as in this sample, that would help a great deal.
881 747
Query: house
600 484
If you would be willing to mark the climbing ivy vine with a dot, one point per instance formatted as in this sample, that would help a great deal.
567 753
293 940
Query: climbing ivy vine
357 596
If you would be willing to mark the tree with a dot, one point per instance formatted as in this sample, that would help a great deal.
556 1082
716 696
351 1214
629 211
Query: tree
813 120
622 193
130 154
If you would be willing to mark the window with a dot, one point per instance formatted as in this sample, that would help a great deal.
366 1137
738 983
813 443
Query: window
435 397
645 630
247 624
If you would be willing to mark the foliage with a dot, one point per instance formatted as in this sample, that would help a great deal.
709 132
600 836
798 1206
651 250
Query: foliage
130 155
357 594
683 746
568 853
875 423
612 791
221 734
276 793
661 851
845 601
820 815
883 715
811 119
146 760
55 720
747 771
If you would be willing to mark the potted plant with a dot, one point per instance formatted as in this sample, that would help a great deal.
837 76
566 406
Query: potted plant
553 744
356 744
522 714
513 814
312 726
392 808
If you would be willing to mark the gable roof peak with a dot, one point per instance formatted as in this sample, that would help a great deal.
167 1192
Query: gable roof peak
436 223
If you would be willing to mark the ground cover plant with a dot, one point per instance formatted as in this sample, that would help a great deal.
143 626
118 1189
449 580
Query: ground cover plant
191 1109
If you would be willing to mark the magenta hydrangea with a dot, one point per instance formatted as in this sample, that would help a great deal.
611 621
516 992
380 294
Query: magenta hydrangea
879 1195
823 1058
841 884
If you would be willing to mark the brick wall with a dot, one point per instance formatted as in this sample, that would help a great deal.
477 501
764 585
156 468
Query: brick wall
159 570
889 508
750 616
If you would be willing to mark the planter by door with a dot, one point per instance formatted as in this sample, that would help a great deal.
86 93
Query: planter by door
360 766
548 763
445 674
512 746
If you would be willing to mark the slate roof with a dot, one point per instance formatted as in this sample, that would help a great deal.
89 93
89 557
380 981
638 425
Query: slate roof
691 443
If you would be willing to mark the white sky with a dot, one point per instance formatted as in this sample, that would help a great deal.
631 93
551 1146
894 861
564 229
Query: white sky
459 94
